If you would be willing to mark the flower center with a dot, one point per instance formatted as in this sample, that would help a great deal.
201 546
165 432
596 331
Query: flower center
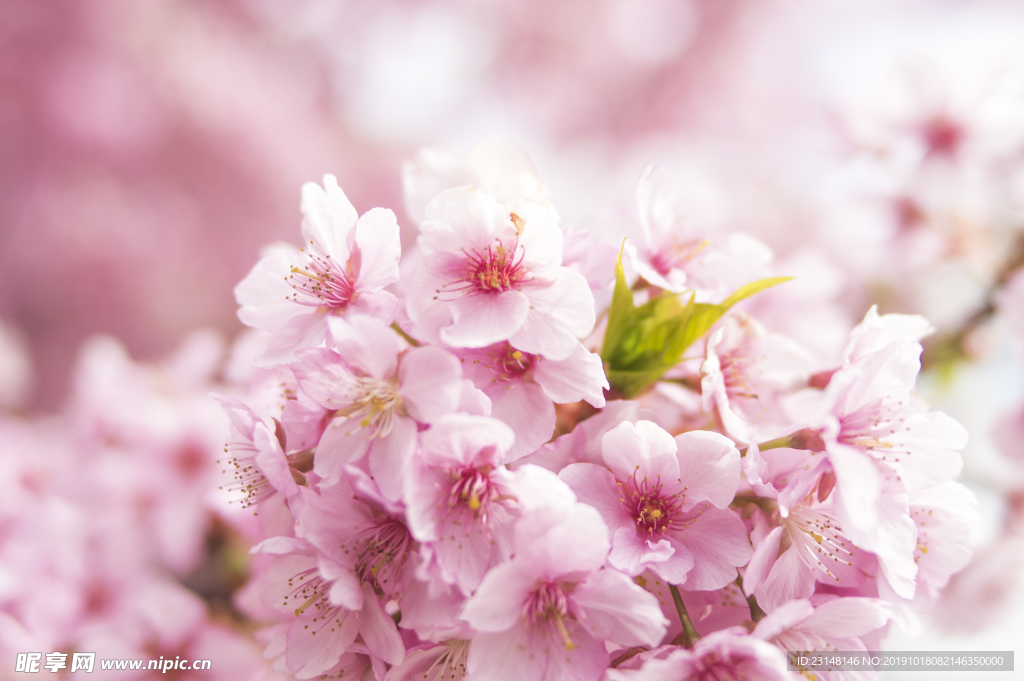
375 404
247 477
676 254
942 136
507 363
472 489
870 428
451 665
546 607
819 539
381 551
735 365
653 509
323 282
491 271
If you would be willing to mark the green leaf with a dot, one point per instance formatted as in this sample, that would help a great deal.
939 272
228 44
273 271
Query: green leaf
750 289
620 312
642 343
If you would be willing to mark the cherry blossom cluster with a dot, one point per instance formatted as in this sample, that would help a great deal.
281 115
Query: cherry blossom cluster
106 513
517 451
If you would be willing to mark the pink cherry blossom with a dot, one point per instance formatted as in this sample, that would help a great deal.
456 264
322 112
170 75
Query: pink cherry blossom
433 662
344 266
259 465
943 515
746 370
806 546
725 654
461 498
493 273
835 624
325 625
377 396
501 170
882 444
523 388
666 503
544 614
583 444
677 256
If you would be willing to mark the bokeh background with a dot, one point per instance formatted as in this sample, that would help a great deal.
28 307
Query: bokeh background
150 148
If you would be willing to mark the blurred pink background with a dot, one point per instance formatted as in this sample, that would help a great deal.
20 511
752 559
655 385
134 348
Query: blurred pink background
150 148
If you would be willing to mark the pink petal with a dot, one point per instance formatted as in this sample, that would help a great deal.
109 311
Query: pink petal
529 412
579 377
464 440
343 442
765 555
265 296
927 458
378 629
272 462
524 653
366 343
786 616
346 590
537 488
433 618
790 578
302 331
242 417
462 218
709 465
498 601
632 553
323 377
718 541
430 383
595 485
309 655
541 238
617 609
847 617
378 249
565 302
390 457
328 216
575 540
482 319
381 305
645 446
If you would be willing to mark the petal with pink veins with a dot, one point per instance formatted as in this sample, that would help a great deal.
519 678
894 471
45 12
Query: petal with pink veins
529 412
616 609
430 383
328 216
378 629
390 457
378 249
644 447
482 319
578 377
709 466
718 541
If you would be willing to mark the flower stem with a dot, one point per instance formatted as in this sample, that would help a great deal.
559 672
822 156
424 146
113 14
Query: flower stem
690 634
756 613
806 438
408 339
769 444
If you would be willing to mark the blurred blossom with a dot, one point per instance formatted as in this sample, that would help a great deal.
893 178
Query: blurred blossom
152 152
